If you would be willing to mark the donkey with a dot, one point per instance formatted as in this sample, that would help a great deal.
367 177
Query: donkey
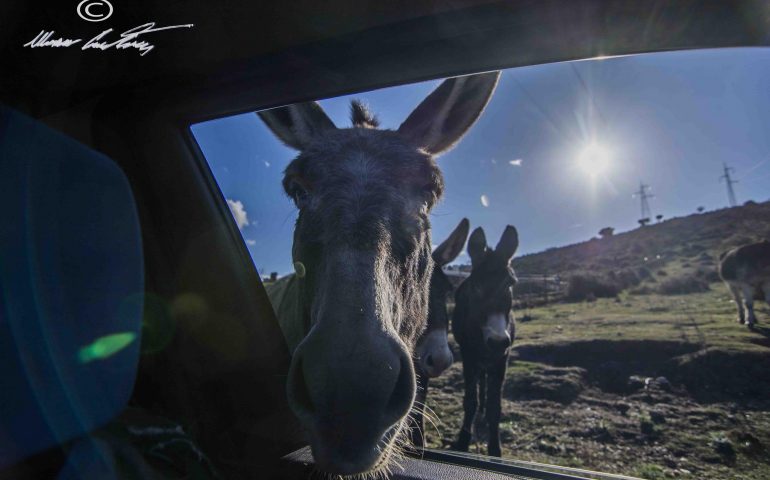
484 328
362 252
746 272
433 355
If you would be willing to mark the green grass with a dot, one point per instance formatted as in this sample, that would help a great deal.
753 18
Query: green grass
707 319
651 472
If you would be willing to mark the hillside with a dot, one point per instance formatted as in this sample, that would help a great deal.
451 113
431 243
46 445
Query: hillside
685 243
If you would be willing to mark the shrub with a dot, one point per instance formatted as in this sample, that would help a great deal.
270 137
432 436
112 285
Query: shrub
626 278
683 285
643 290
583 287
709 275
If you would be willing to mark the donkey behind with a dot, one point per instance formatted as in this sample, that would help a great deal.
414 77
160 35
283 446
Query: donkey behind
362 252
484 328
433 355
746 271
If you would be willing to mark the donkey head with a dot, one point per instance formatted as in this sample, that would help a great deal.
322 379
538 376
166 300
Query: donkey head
488 288
362 248
432 353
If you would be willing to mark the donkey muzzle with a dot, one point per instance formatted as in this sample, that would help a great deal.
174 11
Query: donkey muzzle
350 397
435 354
495 332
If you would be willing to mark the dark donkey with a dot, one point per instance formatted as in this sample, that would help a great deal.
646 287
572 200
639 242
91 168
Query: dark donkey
359 300
484 328
433 355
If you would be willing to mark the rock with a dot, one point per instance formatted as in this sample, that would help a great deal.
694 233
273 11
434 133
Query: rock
724 447
663 383
748 443
623 408
550 448
657 417
635 382
646 426
660 383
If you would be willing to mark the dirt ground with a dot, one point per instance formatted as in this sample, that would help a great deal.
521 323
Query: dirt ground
648 385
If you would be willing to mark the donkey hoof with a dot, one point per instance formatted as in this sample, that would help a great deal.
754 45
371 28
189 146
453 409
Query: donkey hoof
741 321
459 447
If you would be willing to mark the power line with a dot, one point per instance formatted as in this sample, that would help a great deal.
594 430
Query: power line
729 182
643 195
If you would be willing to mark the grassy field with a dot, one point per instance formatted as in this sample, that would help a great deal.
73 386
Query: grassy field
584 388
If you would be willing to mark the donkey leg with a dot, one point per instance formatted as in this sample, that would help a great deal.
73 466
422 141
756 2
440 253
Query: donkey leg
766 291
748 296
736 291
470 404
482 391
495 378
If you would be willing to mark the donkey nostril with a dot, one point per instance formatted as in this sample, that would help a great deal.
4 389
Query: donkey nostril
429 360
401 399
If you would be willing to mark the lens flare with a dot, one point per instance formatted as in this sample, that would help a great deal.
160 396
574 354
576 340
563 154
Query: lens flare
595 159
105 347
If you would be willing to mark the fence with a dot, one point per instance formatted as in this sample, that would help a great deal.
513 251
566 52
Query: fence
530 290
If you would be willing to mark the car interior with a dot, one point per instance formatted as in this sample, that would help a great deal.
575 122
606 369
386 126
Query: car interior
97 156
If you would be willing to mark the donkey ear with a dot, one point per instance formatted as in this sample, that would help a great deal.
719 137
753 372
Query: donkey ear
509 242
297 125
477 245
449 111
453 245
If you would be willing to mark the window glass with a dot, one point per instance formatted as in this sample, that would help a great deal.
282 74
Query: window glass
626 178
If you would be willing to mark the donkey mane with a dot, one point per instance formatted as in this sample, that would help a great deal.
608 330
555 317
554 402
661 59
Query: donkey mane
361 116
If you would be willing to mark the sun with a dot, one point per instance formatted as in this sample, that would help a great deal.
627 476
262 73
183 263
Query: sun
594 159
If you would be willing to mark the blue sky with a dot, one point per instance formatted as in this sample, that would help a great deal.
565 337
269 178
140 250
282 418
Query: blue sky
667 119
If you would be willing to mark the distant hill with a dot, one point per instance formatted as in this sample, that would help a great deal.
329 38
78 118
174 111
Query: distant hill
683 246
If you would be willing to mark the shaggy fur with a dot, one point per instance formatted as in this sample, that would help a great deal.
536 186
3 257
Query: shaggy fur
363 239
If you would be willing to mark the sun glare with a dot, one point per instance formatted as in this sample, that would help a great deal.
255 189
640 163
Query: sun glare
595 159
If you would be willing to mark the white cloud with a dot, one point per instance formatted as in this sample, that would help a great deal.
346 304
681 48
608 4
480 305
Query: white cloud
251 242
516 163
239 213
485 200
